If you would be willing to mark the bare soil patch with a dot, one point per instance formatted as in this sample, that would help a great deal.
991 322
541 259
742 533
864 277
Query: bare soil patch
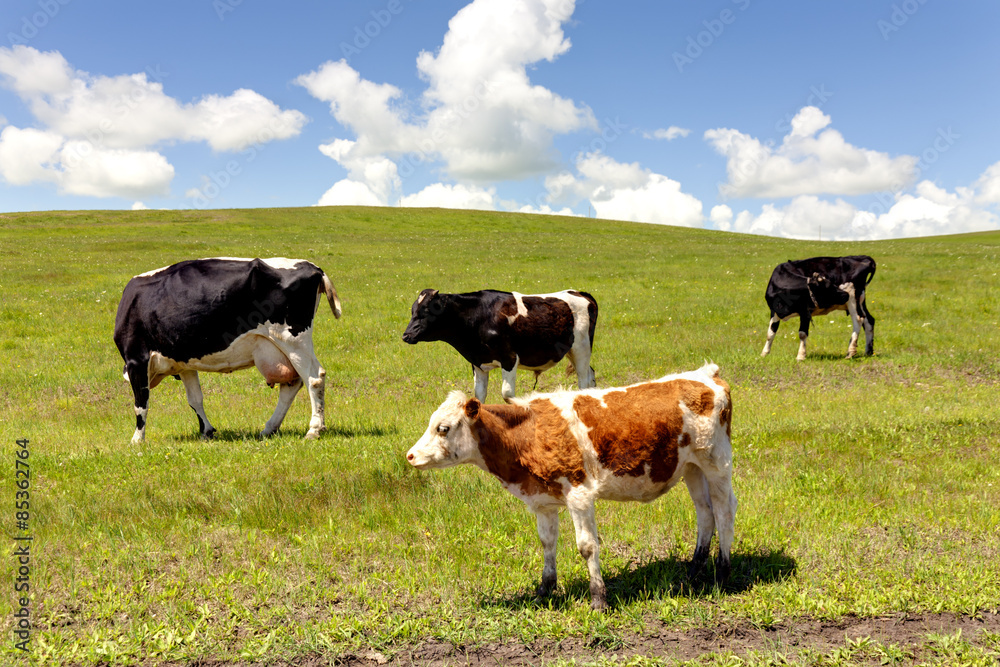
908 632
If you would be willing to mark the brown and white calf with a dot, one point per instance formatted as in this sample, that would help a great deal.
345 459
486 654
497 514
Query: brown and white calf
571 448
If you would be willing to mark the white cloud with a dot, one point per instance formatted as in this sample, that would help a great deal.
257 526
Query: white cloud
722 217
139 206
479 115
930 210
669 134
441 195
988 185
621 191
350 193
812 159
106 125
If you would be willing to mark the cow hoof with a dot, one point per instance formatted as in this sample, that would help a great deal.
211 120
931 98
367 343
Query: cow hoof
312 435
722 569
208 435
599 604
545 589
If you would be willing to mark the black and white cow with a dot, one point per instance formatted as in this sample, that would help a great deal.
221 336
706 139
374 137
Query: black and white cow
508 330
817 286
222 315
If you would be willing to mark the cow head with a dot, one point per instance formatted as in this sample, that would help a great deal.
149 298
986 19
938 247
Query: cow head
424 316
449 439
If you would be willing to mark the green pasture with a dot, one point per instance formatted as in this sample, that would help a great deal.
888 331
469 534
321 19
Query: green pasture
867 487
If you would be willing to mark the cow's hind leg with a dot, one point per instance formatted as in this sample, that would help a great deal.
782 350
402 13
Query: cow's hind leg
772 329
548 533
585 523
697 486
720 488
286 394
310 371
869 324
138 376
580 359
192 387
804 319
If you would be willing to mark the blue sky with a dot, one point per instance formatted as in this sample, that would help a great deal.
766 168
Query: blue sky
851 120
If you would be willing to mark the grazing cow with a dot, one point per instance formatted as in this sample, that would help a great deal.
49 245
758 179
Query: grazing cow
223 315
509 330
817 286
569 448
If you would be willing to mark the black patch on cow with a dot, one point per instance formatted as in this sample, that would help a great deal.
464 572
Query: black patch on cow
199 307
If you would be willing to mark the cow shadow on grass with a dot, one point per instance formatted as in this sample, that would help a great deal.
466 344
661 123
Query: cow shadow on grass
332 431
663 578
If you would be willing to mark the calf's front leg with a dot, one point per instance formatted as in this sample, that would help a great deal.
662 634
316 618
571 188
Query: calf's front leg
585 523
548 533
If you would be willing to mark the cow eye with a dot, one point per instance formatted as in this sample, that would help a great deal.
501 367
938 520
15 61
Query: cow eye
443 429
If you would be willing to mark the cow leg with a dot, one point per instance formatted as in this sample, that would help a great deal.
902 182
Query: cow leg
852 311
585 523
192 387
698 488
869 324
482 380
772 329
286 394
804 319
311 372
581 364
509 382
720 488
548 533
138 377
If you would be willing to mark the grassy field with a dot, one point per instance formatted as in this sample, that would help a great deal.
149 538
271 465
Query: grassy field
869 489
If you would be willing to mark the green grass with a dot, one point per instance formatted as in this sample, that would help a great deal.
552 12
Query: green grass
867 487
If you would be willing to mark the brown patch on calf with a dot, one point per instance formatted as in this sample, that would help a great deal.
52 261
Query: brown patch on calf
643 425
529 447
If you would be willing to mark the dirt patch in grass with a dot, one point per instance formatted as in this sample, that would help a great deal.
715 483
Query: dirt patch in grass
909 633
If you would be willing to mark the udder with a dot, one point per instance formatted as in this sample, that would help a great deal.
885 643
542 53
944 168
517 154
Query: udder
273 364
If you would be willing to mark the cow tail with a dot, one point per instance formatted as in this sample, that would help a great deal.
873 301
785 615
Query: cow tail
871 275
331 296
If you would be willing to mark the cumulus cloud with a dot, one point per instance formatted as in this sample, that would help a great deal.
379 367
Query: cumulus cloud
813 158
99 130
669 134
929 210
453 196
621 191
479 115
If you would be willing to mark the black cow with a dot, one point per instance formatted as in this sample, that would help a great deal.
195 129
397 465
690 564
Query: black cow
816 286
509 330
223 315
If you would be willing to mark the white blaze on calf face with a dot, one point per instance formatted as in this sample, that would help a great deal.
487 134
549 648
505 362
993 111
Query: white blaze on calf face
448 440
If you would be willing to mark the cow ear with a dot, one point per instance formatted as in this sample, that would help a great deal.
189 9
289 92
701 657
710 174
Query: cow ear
472 409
